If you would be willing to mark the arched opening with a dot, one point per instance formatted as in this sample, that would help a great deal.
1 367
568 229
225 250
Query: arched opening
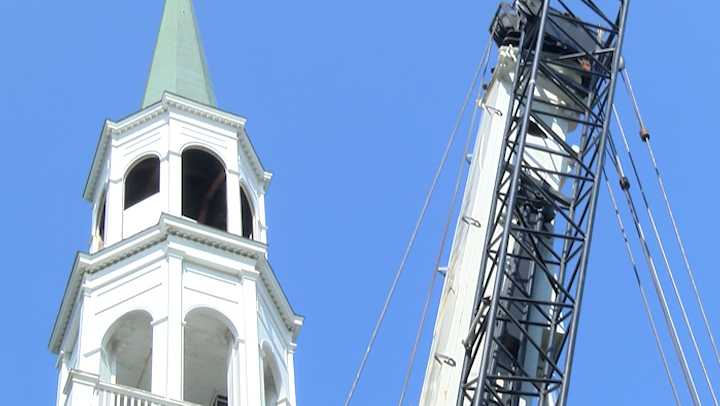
204 191
127 351
271 378
142 181
248 220
207 350
100 219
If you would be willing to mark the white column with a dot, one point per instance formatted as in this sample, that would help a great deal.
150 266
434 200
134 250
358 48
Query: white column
234 382
159 375
291 375
90 346
174 183
253 368
261 231
243 396
174 343
114 211
62 378
165 183
234 212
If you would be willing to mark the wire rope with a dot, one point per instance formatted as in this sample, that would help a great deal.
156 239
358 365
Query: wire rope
645 136
666 261
413 236
643 294
687 374
443 242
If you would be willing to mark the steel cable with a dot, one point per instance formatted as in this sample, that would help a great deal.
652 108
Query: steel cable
687 374
646 138
646 304
663 253
413 236
443 241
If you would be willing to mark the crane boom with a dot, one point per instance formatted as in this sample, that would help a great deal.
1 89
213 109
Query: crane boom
509 313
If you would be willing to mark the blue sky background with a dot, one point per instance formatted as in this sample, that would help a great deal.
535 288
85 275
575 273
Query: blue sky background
349 104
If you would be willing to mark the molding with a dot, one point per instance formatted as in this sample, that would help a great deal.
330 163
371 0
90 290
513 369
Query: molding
167 227
269 279
172 102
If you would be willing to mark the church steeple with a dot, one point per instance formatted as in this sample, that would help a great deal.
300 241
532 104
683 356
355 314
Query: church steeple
178 64
176 303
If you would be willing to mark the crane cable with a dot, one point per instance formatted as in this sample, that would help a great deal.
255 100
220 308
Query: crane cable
413 236
645 136
666 261
654 274
643 294
443 242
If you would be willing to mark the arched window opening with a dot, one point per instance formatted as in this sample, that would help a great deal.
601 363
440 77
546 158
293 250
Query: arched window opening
204 191
206 358
142 181
248 221
127 352
100 220
271 384
271 393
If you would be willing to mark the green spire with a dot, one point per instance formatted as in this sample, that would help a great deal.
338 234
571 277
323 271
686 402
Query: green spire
179 61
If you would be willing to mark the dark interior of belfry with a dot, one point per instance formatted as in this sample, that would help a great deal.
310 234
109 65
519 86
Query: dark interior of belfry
204 196
142 181
204 190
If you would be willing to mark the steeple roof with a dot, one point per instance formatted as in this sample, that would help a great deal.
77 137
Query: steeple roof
178 64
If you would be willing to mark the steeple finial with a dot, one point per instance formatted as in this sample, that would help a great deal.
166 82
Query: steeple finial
178 64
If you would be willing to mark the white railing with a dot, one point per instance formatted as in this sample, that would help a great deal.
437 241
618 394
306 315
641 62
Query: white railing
85 389
118 395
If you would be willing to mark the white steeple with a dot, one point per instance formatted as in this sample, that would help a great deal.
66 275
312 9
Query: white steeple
176 303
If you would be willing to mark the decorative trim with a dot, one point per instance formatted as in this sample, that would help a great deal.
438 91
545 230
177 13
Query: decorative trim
170 102
167 226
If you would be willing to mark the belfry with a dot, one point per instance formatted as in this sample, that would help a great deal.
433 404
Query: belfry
175 303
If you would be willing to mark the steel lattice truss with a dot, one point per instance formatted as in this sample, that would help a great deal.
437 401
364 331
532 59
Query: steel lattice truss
526 312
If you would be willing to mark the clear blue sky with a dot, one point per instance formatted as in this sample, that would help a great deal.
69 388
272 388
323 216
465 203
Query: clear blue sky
348 104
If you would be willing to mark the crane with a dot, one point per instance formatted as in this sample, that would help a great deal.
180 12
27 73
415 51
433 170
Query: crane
510 311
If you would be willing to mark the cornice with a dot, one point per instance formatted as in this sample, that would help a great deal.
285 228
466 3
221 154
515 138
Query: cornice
168 226
293 321
169 103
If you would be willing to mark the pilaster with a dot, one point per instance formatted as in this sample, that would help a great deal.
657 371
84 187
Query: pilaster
234 373
291 375
114 211
62 377
261 222
174 327
174 180
160 367
253 366
234 212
